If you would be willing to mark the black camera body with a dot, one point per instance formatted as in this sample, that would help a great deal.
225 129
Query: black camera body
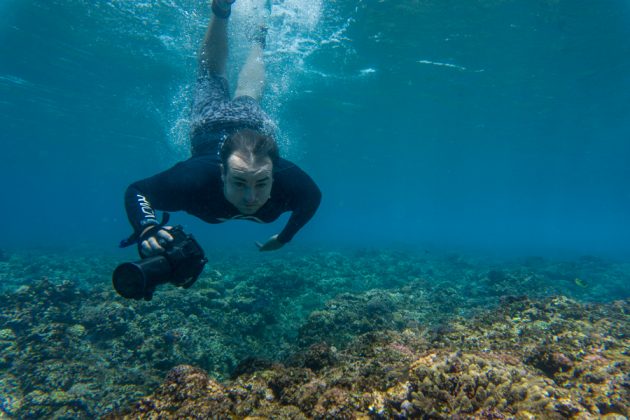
180 264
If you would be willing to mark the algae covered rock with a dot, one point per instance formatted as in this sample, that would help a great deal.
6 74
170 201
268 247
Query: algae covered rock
410 374
371 333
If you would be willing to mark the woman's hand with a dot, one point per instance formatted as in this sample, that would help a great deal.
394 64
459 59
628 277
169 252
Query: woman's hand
154 244
271 245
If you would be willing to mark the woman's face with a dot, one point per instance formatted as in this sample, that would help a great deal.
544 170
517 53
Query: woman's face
247 185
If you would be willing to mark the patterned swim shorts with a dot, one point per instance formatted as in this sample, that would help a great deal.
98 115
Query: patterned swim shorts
215 116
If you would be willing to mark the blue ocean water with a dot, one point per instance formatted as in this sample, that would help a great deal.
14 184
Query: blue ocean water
443 134
493 126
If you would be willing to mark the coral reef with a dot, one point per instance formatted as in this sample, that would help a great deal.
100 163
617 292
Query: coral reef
577 366
317 334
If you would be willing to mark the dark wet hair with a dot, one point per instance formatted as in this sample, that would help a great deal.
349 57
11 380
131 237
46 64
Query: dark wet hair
251 144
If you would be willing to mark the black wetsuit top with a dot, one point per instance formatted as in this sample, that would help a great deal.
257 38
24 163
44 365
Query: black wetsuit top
195 186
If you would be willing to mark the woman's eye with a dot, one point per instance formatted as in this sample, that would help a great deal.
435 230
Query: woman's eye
239 184
261 185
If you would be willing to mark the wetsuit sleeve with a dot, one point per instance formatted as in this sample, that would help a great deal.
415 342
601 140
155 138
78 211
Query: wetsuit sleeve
168 191
304 196
140 211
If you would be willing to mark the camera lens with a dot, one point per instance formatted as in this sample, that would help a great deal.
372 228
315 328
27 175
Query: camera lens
129 281
138 280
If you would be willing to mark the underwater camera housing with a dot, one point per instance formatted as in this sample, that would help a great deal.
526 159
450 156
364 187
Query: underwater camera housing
180 264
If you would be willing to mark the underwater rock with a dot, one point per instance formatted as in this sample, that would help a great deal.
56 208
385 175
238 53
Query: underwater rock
436 385
8 347
251 365
315 357
12 398
74 349
572 368
188 392
549 361
350 315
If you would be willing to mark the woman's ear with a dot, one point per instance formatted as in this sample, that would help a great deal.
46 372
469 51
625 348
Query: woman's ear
222 172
